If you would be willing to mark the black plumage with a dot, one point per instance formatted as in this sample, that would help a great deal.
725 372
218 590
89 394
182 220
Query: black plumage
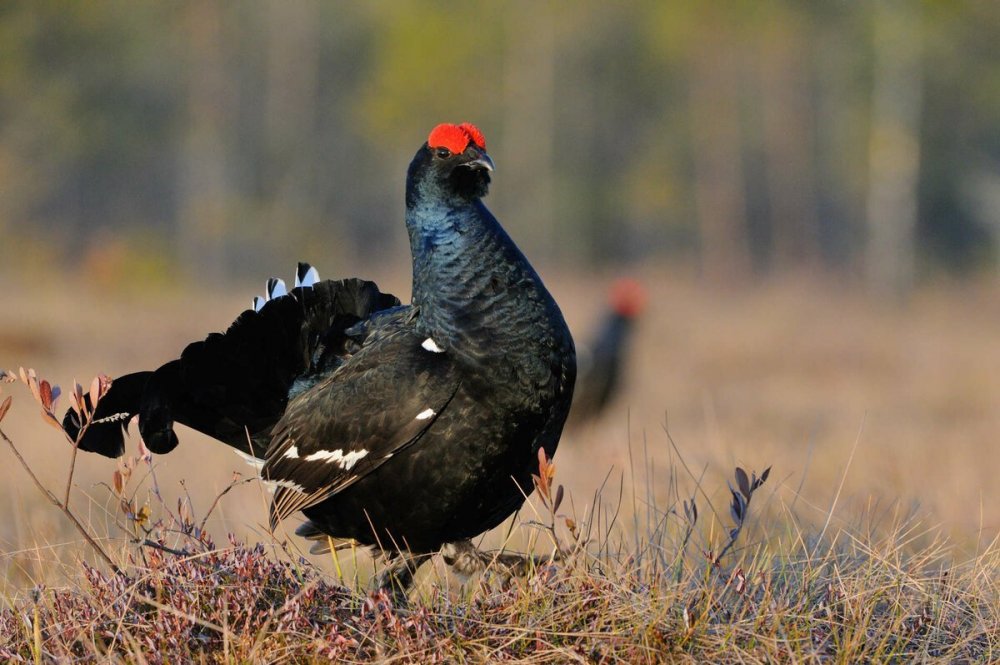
406 427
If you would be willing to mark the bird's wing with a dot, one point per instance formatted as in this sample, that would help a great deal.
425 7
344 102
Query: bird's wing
383 399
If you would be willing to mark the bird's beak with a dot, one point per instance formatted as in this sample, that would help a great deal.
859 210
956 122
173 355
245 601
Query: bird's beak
480 160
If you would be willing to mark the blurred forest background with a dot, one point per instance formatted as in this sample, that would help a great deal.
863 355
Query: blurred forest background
810 192
211 139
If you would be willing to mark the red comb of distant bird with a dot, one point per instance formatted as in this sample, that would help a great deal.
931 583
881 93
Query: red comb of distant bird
628 297
456 138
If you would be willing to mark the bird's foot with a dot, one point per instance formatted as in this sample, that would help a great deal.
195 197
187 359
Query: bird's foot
465 560
397 577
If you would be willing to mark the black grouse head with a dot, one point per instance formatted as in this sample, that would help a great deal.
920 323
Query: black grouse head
451 165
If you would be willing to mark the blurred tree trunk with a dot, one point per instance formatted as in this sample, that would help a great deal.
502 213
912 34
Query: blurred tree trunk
841 149
788 147
205 187
982 189
526 159
894 147
291 89
720 199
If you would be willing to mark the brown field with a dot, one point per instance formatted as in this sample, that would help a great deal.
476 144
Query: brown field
790 374
784 374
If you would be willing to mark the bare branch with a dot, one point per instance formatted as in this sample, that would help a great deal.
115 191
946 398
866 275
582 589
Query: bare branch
64 508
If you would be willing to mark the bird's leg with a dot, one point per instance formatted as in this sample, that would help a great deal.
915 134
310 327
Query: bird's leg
397 577
520 564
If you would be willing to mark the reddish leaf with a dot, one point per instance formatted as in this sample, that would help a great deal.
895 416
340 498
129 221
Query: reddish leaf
29 379
118 481
45 394
76 401
4 408
48 395
543 477
125 469
51 419
99 388
95 391
741 581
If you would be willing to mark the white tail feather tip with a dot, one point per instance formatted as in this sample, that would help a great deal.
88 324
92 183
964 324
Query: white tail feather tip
276 288
306 275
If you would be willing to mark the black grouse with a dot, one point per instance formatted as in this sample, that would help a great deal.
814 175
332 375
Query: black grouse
403 427
601 362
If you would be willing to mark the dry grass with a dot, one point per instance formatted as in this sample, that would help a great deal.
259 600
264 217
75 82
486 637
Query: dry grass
875 547
237 604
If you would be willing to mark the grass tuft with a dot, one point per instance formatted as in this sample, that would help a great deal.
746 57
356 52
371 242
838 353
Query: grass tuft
856 602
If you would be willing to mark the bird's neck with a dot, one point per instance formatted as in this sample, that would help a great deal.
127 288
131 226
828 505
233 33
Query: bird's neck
463 264
611 335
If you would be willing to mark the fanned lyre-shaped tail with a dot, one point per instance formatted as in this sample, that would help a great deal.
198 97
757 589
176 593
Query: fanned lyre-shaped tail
106 432
238 382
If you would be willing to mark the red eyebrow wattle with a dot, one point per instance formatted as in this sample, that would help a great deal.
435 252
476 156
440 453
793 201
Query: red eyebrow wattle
456 138
452 137
474 134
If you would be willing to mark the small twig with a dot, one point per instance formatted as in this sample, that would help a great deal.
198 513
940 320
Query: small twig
729 545
69 478
146 542
236 481
66 511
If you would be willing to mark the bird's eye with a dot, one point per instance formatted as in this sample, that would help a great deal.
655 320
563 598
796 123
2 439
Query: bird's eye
443 153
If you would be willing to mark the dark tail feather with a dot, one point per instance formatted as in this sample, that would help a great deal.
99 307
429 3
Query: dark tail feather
237 382
105 434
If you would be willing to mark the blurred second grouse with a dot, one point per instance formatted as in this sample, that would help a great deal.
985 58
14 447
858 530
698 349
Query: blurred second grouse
602 361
